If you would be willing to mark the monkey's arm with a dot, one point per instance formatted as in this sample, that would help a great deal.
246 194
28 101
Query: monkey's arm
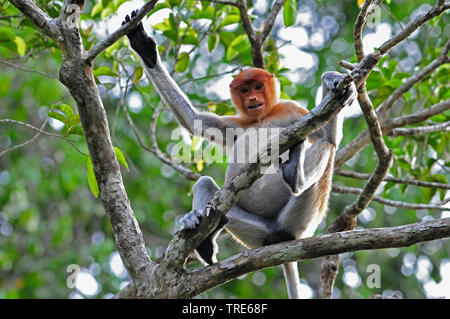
146 48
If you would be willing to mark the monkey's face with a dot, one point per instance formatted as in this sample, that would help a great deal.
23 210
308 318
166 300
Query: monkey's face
253 98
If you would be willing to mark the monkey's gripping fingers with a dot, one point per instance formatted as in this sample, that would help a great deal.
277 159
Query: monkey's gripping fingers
330 81
143 44
191 219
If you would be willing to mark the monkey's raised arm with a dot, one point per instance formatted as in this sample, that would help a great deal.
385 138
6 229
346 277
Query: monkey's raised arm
146 48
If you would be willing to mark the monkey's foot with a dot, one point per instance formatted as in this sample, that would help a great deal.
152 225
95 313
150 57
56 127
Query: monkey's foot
143 44
191 219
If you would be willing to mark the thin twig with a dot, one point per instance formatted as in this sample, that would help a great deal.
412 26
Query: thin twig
227 3
16 147
358 28
27 70
388 202
346 65
391 179
445 127
270 21
43 132
413 25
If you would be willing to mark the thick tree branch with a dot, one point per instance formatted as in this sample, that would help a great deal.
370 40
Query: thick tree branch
38 17
255 41
314 247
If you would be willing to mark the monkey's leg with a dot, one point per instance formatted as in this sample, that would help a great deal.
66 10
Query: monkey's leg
303 169
204 190
291 170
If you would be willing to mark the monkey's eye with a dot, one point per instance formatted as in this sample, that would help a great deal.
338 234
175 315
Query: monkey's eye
258 86
244 90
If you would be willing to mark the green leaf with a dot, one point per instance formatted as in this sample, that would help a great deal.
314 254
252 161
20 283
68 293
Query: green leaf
65 108
240 43
105 70
120 156
183 62
7 34
106 12
74 120
109 86
76 130
57 116
231 54
230 19
374 81
289 12
21 46
393 83
138 74
158 7
97 8
91 177
213 41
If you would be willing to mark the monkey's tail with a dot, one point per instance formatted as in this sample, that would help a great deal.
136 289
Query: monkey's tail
290 271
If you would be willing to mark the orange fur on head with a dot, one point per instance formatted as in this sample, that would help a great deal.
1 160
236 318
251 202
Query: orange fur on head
270 82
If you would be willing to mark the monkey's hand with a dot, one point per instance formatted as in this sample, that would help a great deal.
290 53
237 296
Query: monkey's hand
330 80
292 169
143 44
207 250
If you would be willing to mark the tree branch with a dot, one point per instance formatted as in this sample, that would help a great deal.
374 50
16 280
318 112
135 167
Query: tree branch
388 202
40 131
413 25
270 21
124 29
16 147
358 28
21 68
445 127
44 23
347 219
255 41
391 179
314 247
418 116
